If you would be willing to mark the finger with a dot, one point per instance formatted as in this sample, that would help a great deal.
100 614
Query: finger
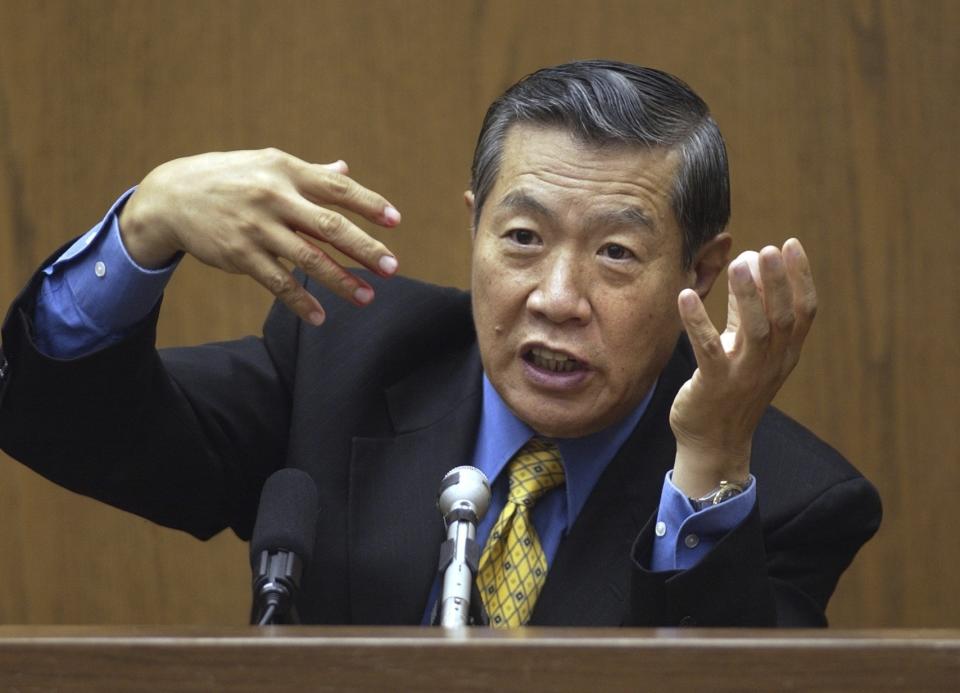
804 289
318 265
704 337
733 312
324 186
277 279
752 258
335 229
338 166
777 295
754 326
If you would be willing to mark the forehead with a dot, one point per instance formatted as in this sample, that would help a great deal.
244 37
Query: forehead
558 169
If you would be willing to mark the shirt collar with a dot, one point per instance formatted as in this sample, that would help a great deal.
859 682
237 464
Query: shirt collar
501 434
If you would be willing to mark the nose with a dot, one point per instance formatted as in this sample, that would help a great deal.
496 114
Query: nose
559 295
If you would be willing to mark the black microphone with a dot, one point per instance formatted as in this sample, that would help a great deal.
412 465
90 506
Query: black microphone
282 544
463 499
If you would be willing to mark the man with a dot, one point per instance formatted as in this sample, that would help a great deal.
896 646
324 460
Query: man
599 197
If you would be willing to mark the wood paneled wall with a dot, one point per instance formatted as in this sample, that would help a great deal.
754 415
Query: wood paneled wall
841 119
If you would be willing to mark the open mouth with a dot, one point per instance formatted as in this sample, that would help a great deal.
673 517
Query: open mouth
553 361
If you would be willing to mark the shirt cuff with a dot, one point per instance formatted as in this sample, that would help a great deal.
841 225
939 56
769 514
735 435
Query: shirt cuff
94 292
684 536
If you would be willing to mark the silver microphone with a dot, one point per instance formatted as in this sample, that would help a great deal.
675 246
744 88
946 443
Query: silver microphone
463 499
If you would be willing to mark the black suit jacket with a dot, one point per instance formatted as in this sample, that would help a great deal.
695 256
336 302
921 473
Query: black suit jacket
377 405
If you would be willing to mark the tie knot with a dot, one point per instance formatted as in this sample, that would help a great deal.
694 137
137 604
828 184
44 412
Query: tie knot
534 470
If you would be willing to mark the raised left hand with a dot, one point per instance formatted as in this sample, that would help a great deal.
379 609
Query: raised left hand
772 303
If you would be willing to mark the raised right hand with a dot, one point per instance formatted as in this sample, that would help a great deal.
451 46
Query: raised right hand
243 211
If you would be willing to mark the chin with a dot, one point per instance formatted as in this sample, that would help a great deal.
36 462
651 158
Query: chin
559 425
563 431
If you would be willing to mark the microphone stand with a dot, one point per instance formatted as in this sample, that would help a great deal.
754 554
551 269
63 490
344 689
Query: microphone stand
459 558
462 500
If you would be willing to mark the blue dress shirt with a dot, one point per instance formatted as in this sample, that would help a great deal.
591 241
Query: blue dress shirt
502 434
94 294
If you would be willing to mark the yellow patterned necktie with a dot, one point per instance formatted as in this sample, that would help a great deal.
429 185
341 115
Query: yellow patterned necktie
513 566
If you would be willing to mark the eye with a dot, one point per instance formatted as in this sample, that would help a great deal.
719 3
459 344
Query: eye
522 236
615 251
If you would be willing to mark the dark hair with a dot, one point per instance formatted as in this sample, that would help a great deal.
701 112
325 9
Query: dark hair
606 102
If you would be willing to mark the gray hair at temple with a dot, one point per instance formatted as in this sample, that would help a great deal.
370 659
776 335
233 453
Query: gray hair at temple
605 102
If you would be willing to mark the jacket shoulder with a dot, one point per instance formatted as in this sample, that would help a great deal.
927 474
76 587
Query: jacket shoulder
407 319
795 468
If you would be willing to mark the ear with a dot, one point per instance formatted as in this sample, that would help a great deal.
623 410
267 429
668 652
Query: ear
709 262
468 199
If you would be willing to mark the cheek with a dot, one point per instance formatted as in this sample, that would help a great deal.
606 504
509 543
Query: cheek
485 263
639 333
499 291
491 306
486 297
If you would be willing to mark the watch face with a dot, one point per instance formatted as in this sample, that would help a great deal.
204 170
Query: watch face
725 493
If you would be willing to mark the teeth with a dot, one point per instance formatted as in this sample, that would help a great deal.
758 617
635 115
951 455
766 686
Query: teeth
545 353
552 360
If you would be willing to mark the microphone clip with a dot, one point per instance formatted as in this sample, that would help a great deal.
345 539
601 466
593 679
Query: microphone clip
275 581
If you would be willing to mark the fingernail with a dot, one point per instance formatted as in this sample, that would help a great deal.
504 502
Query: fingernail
363 295
316 318
391 215
388 264
741 271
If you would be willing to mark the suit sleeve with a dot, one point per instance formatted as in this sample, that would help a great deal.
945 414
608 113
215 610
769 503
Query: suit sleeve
765 572
183 437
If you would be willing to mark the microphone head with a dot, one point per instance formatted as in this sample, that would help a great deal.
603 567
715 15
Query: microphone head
464 488
287 516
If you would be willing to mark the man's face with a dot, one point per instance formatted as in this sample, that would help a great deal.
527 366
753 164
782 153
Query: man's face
576 271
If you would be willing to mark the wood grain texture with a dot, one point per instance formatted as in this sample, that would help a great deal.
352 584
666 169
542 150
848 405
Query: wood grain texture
358 659
841 123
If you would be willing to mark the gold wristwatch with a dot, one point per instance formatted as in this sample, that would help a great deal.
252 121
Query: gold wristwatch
725 491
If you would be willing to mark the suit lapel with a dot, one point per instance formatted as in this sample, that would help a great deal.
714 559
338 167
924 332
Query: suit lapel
395 529
589 580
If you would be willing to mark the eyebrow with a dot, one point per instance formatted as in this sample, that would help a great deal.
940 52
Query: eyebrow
522 201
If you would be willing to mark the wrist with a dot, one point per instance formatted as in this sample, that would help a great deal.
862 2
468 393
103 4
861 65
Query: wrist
724 492
145 239
698 471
